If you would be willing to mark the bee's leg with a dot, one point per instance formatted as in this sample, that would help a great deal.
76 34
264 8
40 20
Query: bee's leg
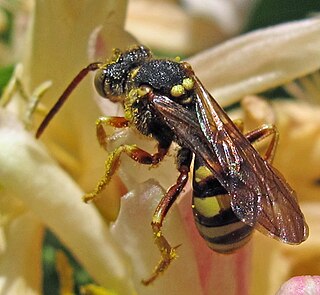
260 134
113 161
118 122
168 253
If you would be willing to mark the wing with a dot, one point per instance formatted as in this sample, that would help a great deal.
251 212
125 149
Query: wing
260 196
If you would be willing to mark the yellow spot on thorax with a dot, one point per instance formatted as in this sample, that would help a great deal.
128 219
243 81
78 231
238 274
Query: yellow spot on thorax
188 83
177 90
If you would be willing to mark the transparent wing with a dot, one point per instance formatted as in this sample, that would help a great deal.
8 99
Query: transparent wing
260 196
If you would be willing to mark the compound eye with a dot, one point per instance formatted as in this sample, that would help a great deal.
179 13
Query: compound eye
101 84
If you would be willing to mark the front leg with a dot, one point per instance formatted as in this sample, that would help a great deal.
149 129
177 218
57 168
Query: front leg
117 122
168 253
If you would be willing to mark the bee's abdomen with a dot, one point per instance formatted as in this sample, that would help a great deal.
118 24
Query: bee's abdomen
214 218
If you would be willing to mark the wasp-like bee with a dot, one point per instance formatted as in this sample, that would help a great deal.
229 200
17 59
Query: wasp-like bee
236 189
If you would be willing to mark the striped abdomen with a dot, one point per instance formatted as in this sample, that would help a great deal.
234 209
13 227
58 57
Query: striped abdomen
214 218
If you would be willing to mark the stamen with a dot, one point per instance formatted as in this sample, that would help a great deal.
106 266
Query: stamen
306 88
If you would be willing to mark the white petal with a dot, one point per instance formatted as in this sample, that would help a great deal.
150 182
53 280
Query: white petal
28 173
260 60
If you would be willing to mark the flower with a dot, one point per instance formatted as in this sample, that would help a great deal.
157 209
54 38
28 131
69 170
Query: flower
38 192
301 285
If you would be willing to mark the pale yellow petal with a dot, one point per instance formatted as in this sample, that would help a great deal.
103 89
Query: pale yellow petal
298 159
60 44
29 174
133 231
298 154
280 261
57 49
231 15
20 258
166 26
197 270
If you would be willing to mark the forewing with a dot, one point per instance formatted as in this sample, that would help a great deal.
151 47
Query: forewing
219 153
185 126
236 157
260 196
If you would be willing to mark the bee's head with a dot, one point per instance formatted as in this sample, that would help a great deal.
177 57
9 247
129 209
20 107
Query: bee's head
110 80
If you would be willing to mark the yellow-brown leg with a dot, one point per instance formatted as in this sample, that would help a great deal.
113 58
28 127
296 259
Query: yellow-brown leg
118 122
113 161
168 253
260 134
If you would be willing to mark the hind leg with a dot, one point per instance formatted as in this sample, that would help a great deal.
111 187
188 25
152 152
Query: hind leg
261 133
168 253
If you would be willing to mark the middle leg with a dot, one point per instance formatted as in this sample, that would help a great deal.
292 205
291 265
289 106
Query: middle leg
117 122
113 161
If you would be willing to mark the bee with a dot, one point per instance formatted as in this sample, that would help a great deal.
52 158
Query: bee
235 189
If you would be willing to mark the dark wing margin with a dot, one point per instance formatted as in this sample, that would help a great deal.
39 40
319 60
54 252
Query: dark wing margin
260 195
281 216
